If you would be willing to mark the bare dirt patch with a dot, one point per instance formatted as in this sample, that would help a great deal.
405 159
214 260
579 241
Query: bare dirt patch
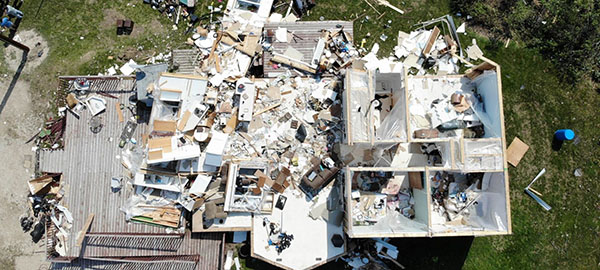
155 26
18 123
110 19
37 54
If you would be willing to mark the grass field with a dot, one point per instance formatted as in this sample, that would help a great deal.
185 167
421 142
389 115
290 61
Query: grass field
536 103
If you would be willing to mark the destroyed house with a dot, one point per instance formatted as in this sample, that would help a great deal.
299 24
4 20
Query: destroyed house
158 167
429 154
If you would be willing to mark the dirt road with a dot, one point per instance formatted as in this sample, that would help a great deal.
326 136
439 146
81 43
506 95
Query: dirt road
18 122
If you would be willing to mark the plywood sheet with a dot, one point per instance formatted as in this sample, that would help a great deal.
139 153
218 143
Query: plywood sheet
516 151
156 154
159 142
414 179
165 125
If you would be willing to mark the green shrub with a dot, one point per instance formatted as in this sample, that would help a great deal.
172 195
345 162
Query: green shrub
566 32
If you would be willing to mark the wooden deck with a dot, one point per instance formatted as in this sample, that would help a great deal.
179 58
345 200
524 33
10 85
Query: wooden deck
88 162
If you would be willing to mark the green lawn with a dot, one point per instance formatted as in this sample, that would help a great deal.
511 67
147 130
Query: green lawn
63 23
535 104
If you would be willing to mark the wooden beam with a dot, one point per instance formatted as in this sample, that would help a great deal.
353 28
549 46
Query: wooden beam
14 43
119 112
84 230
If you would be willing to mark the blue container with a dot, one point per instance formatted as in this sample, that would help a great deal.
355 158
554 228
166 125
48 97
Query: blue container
564 134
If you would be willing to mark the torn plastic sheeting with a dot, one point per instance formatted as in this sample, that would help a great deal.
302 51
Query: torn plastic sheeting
483 147
58 223
247 203
393 221
66 212
162 111
487 87
132 158
488 210
359 104
482 163
394 124
134 206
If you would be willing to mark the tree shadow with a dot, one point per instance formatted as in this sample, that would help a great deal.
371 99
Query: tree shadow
15 78
433 253
425 253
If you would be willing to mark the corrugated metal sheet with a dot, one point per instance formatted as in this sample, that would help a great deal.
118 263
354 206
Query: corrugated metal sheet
88 162
309 33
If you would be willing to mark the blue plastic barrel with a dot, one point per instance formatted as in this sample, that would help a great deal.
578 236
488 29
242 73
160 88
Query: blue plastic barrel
564 134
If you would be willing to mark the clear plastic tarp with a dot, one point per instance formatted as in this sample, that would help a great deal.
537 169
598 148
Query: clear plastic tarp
359 105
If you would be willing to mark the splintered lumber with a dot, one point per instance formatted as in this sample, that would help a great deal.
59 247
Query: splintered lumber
38 184
267 109
387 4
167 216
86 227
247 47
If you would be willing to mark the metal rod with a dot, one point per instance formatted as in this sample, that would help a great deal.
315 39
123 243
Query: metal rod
538 200
542 172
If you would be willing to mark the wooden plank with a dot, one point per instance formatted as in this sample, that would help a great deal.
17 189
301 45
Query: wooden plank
183 76
409 135
167 149
165 125
86 227
119 111
414 179
434 35
184 120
